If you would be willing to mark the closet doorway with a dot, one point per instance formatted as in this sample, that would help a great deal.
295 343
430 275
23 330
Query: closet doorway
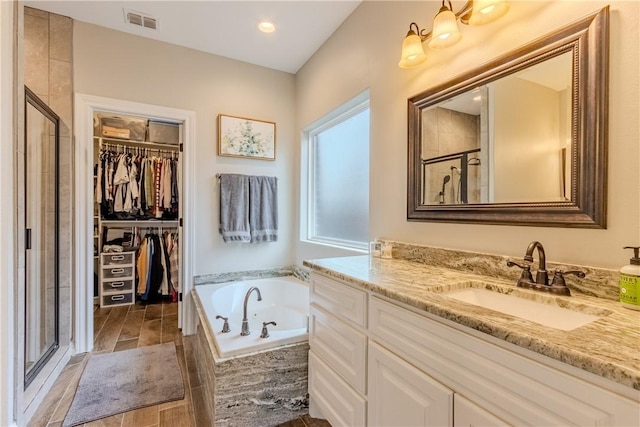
125 225
137 233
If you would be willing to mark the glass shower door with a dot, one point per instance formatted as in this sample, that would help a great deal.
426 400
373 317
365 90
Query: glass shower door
41 235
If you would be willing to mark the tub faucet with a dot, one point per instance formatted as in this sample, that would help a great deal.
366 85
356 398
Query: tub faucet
245 320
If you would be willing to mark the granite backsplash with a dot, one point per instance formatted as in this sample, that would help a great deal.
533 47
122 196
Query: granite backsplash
602 283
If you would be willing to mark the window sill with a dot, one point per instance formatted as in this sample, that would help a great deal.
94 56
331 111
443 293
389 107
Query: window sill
337 245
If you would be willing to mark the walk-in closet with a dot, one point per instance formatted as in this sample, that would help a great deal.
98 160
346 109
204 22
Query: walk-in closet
137 239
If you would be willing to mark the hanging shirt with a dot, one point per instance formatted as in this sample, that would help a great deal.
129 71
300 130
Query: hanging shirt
158 187
166 188
142 266
173 262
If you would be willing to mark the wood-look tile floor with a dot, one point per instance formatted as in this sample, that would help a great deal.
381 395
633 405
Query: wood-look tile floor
126 327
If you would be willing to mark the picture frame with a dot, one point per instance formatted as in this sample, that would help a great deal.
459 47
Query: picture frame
246 138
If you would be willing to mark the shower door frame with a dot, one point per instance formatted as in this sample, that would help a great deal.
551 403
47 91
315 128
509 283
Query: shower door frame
32 99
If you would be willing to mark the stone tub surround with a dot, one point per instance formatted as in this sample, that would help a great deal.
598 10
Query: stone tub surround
608 348
599 282
264 388
235 276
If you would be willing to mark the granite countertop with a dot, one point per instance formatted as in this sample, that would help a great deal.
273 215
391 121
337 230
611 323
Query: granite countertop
608 347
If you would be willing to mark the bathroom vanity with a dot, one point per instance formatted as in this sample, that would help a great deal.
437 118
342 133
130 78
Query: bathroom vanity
390 346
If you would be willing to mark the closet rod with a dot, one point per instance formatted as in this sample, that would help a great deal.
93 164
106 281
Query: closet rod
140 223
137 150
141 144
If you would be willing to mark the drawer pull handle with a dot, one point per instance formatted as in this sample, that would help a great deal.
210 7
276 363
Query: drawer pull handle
117 257
117 297
117 284
117 271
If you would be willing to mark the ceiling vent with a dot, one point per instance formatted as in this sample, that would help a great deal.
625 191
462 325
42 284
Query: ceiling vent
140 19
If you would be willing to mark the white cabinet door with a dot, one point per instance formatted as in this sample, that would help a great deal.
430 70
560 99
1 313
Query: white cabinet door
401 395
468 414
335 400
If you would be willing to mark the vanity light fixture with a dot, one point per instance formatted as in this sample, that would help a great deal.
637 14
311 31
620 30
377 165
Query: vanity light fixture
445 31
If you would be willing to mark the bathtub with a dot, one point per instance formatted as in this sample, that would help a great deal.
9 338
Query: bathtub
285 300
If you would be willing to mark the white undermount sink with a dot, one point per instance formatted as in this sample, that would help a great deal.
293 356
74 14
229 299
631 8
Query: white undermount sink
547 310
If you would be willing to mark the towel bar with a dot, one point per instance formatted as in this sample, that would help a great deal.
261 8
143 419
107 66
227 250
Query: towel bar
218 175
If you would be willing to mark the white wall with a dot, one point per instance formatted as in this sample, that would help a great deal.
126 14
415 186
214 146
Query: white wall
364 52
122 66
7 213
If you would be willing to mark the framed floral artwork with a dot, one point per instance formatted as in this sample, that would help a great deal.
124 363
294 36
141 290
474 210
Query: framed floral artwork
244 137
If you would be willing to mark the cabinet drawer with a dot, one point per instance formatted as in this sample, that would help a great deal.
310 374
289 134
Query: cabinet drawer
122 258
117 272
117 299
118 286
340 345
339 299
338 402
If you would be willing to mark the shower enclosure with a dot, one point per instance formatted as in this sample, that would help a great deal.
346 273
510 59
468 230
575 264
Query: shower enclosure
41 235
451 178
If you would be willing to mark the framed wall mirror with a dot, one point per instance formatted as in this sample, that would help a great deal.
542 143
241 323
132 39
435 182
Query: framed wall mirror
520 140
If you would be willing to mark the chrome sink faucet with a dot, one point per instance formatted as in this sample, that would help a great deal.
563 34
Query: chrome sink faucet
245 320
558 286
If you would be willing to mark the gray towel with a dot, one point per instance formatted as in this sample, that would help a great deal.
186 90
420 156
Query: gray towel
234 208
263 208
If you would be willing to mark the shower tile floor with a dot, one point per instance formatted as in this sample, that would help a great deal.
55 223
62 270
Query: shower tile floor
122 328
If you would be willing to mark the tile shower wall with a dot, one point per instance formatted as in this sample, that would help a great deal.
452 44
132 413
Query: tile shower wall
445 132
48 65
44 64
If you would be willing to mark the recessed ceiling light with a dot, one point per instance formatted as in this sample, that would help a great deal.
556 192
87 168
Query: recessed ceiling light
266 27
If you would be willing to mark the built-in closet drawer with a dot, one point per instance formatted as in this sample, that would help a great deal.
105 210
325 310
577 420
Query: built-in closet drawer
117 272
117 299
114 286
340 345
338 402
117 279
341 300
125 258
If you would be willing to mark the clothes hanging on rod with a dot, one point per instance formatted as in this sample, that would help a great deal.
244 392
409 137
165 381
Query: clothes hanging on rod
137 183
157 266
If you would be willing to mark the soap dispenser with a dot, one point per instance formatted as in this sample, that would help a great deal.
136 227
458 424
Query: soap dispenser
630 281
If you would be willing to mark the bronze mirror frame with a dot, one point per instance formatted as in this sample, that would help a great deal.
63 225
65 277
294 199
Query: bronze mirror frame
588 39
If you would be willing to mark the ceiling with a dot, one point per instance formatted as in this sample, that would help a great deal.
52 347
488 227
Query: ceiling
225 28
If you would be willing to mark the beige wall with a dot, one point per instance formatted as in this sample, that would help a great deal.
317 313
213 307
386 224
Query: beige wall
364 52
526 151
126 67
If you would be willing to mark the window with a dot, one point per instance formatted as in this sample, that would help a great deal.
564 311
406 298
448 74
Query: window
338 177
